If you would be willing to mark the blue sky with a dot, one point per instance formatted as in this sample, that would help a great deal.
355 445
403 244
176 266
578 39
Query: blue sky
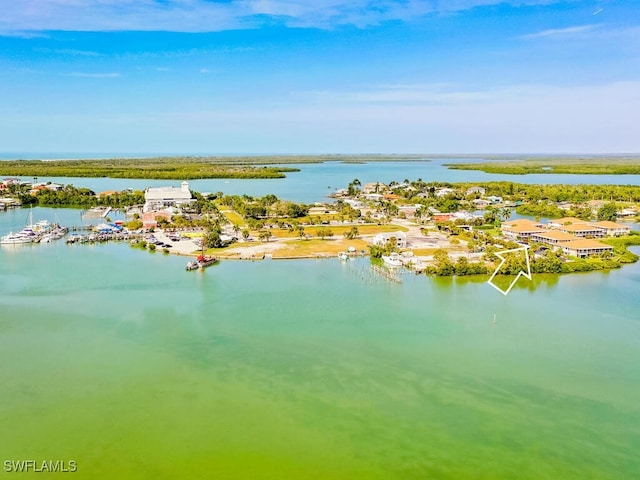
333 76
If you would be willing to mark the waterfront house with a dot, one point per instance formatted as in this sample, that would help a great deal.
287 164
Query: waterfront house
583 230
627 212
106 193
375 187
158 198
480 203
561 222
565 205
595 205
444 192
464 215
518 222
475 191
374 197
381 239
150 219
36 189
353 203
409 210
612 229
494 199
585 247
442 217
552 237
521 232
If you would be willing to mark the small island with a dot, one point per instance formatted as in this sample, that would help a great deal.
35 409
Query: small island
593 165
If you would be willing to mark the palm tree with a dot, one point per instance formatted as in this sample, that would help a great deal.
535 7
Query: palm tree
351 234
505 214
264 235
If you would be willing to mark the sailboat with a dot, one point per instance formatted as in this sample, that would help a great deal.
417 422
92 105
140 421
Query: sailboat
26 235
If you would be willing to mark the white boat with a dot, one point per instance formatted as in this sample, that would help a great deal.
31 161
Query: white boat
393 260
41 226
343 256
26 235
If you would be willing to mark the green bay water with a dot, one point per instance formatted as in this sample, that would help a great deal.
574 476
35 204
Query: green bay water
120 360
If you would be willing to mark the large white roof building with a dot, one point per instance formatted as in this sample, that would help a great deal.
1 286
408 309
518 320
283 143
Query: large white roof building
157 198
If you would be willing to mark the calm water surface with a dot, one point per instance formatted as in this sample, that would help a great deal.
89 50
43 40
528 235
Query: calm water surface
120 360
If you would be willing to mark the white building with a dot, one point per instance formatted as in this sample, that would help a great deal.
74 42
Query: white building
443 192
158 198
475 190
381 239
613 229
585 247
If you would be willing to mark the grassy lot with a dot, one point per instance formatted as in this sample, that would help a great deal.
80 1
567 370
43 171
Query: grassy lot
234 217
338 231
192 234
423 252
317 247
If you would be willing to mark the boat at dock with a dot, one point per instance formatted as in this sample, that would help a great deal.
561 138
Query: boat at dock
42 231
26 235
392 260
201 262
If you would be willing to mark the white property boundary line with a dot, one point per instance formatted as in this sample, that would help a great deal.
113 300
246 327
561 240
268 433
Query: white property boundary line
520 273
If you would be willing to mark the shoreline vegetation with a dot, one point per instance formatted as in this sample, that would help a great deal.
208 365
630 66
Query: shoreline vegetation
184 167
274 166
614 165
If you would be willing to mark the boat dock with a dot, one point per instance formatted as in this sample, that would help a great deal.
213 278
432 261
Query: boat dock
103 237
96 212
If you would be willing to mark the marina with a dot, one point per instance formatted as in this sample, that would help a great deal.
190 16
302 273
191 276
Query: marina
41 231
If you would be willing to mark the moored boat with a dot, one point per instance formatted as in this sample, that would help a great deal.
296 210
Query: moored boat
392 260
192 265
201 262
26 235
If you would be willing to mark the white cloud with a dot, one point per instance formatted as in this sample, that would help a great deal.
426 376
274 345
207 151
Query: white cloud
561 33
16 18
93 75
400 94
518 119
69 52
9 32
